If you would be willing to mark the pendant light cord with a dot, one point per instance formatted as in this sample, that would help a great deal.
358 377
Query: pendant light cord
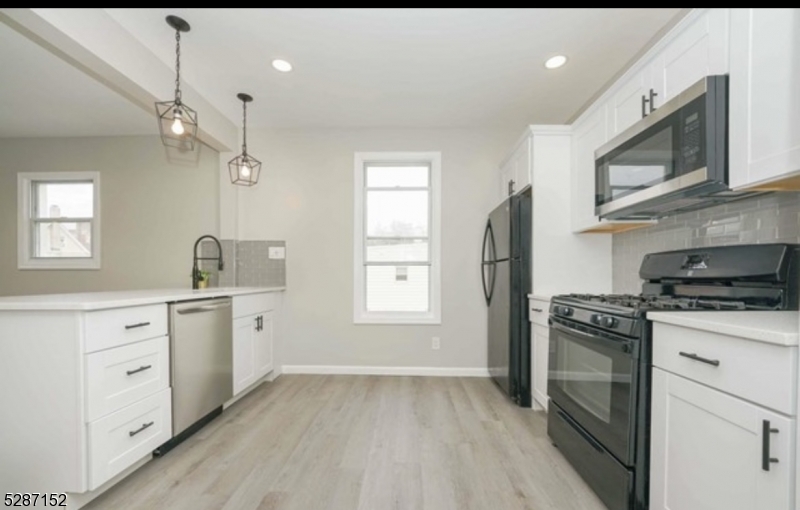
244 128
178 66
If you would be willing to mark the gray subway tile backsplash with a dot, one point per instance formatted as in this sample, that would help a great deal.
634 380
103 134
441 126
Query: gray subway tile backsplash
771 218
247 264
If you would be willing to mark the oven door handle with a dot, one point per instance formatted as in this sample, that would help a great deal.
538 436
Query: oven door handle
617 345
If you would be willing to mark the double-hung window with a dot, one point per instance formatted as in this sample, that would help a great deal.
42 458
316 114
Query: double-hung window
58 220
397 237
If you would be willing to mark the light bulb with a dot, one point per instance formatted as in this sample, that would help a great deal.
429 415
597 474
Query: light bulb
177 126
245 170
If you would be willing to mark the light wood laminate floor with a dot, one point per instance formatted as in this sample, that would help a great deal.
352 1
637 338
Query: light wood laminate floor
310 442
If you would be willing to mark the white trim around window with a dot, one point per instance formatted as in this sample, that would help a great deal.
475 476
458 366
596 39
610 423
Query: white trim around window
360 313
27 220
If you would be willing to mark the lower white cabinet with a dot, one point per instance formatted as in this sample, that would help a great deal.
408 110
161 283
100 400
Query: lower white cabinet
244 363
710 450
120 439
252 349
540 348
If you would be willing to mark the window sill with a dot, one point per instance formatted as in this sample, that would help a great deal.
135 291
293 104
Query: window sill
389 320
59 265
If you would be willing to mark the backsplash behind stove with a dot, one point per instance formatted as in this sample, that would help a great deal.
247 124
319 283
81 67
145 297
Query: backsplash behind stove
772 218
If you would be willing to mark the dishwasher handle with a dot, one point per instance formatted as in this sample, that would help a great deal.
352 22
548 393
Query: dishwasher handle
204 308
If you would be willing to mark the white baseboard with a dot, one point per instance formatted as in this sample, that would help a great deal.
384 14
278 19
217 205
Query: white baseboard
362 370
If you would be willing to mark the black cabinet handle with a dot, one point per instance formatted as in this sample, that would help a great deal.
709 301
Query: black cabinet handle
259 323
511 187
644 106
766 432
652 101
140 369
139 325
701 359
537 310
143 427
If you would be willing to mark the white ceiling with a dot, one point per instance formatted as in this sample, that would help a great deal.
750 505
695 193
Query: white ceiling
400 67
41 96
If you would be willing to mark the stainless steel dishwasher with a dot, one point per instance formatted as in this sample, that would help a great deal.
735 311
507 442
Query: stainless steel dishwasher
201 355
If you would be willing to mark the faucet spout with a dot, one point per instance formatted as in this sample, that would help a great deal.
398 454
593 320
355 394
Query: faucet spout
195 267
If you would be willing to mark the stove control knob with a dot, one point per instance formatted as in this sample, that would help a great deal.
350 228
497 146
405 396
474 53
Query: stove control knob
564 310
596 318
609 322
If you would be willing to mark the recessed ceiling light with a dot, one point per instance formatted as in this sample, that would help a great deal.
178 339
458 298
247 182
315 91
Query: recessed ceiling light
554 62
281 65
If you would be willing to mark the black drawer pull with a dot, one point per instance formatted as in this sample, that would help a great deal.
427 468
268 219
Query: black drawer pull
537 310
701 359
766 431
139 325
143 427
140 369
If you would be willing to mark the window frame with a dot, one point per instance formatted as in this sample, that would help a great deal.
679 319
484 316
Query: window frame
26 219
360 313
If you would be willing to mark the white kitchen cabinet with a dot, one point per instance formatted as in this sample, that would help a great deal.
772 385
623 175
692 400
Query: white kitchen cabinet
263 344
515 171
244 348
697 48
589 134
626 106
540 347
764 105
253 339
538 314
708 450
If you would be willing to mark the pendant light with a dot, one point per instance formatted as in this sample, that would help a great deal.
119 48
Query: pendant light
244 168
176 121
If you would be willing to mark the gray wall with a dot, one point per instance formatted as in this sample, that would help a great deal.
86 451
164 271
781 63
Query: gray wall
153 207
305 196
773 218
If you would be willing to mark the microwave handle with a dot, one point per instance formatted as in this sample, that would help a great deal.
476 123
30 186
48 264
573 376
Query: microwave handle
617 345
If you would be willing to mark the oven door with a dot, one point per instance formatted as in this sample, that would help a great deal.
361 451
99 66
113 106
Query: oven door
593 377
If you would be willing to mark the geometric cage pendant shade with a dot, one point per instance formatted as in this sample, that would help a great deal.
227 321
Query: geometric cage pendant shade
177 122
244 169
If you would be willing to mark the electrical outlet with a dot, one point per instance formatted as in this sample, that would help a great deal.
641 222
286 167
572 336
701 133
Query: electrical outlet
277 252
435 343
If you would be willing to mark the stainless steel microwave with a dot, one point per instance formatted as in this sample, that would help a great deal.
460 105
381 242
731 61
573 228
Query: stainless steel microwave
673 160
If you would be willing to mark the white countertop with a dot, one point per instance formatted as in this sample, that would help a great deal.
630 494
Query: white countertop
105 300
540 297
779 328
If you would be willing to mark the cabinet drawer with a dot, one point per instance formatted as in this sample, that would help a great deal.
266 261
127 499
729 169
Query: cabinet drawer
539 311
756 371
253 303
121 439
118 377
120 326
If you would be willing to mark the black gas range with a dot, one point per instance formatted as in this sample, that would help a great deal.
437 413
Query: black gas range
600 354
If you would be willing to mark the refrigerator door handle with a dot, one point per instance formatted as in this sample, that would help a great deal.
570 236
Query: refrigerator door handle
488 287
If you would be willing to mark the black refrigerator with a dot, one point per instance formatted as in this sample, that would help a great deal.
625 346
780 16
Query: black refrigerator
506 273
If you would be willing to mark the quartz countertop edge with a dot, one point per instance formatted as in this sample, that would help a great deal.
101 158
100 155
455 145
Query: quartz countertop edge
778 327
120 299
540 297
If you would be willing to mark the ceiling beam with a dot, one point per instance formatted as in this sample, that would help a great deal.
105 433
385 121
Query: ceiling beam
92 41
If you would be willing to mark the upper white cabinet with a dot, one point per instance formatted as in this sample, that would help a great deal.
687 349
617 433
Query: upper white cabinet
764 99
588 134
696 49
515 172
